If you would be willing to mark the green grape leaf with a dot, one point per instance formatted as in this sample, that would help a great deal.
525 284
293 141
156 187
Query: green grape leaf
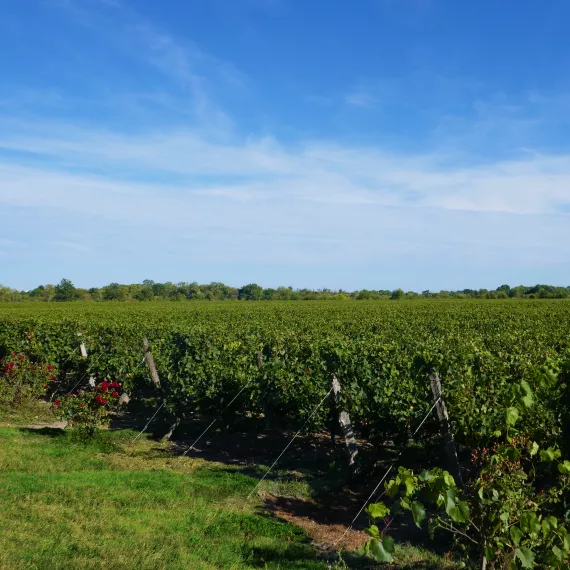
516 534
526 556
419 513
460 513
378 510
372 531
512 415
383 550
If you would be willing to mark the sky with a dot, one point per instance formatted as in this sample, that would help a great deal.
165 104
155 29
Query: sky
422 144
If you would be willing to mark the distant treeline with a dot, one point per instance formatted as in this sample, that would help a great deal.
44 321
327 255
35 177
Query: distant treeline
151 291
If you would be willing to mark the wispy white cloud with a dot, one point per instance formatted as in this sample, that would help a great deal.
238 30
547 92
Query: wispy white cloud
9 243
263 169
192 71
329 207
360 99
69 245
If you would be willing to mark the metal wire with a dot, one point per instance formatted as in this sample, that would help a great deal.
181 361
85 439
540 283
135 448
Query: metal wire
289 444
386 474
86 373
214 421
148 423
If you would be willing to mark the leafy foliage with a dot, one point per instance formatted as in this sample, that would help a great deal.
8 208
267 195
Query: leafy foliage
512 512
488 356
88 409
21 379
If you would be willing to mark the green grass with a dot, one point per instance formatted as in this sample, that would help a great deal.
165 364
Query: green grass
115 504
30 412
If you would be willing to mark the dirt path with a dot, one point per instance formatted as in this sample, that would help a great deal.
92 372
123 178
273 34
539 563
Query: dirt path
325 525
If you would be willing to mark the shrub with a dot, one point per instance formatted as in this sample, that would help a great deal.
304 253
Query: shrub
22 380
88 409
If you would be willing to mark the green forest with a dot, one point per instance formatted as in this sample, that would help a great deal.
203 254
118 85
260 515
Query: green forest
150 290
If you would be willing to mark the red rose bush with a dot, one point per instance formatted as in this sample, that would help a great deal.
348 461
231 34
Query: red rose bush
88 409
22 380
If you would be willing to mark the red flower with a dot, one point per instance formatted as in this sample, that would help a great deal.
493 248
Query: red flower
21 357
46 387
50 368
14 354
52 378
57 402
114 394
11 365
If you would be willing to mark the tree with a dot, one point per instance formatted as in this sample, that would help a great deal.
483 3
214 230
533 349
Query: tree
397 294
42 293
144 293
96 294
9 295
114 292
366 294
269 294
65 291
251 292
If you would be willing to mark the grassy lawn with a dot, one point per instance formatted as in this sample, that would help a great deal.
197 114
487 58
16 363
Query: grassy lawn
114 504
107 505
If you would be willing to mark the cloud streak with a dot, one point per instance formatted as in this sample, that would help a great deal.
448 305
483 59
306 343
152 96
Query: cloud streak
262 169
69 245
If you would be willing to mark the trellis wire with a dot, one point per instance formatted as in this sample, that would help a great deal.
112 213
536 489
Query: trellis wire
349 528
215 420
97 360
66 360
152 418
289 444
86 373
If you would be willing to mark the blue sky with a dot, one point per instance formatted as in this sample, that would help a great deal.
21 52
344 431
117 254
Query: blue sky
323 143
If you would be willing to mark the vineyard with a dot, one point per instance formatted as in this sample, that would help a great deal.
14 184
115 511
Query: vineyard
503 364
285 356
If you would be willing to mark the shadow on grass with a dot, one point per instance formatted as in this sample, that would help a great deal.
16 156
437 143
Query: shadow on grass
293 556
103 441
311 487
355 561
46 431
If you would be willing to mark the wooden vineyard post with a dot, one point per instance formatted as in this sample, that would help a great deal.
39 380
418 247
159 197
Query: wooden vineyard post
83 351
82 347
150 362
346 427
443 416
156 381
